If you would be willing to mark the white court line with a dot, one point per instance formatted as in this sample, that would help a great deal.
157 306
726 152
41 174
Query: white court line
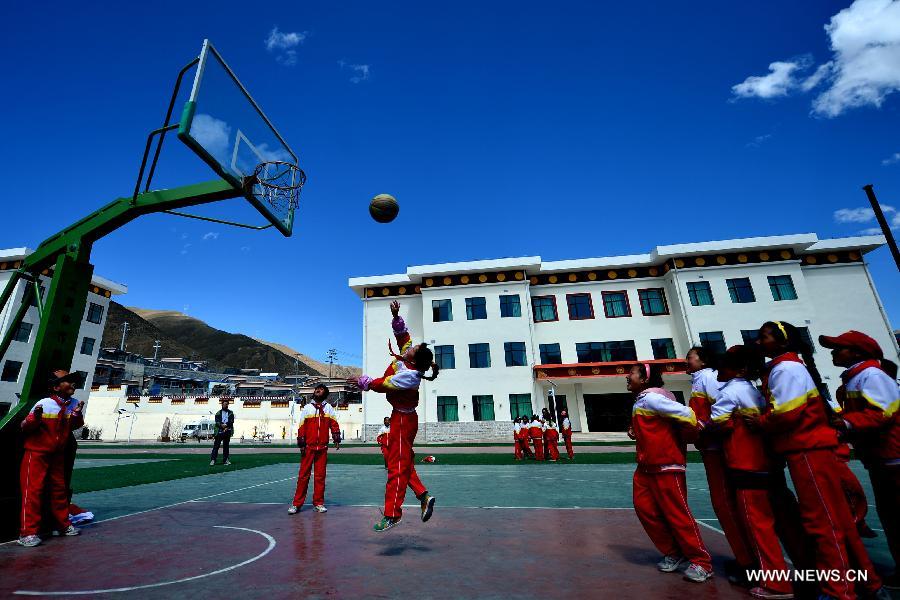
418 506
708 526
268 549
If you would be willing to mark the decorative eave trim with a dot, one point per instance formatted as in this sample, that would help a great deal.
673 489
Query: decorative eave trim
670 366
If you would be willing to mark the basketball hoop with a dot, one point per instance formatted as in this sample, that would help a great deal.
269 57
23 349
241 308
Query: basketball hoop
278 184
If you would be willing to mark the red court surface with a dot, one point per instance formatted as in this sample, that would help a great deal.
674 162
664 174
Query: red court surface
238 550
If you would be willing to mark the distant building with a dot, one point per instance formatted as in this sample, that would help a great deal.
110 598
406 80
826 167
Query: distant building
505 332
14 364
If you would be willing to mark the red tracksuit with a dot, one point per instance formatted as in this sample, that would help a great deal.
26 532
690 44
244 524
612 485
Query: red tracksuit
871 400
745 456
796 423
523 441
660 492
517 441
551 438
704 390
536 432
316 422
382 440
853 490
567 436
400 385
43 465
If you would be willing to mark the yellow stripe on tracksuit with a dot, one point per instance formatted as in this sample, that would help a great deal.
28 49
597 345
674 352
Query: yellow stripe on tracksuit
782 407
646 412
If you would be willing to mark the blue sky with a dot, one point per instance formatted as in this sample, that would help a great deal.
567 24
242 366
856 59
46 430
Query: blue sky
504 129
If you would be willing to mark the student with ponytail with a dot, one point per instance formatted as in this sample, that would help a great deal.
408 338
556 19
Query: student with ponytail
796 423
660 424
400 384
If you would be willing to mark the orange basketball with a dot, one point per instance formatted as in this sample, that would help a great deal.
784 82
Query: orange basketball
384 208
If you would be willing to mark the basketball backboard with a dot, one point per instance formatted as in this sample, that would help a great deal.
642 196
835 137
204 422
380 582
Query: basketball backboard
224 125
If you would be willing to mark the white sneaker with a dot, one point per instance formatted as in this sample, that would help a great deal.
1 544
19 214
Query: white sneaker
696 574
212 463
293 510
320 508
670 564
71 530
29 541
227 462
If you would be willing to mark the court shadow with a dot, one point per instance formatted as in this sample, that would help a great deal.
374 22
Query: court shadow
399 550
635 555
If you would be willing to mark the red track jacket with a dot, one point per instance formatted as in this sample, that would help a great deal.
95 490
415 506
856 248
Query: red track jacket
870 400
316 422
50 433
795 416
400 382
659 422
704 390
744 448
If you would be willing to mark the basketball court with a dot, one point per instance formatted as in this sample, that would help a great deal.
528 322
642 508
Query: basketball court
523 530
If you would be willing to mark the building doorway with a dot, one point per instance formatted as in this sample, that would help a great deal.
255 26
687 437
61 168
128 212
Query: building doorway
608 412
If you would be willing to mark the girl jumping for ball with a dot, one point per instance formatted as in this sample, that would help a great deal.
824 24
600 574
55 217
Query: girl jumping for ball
400 385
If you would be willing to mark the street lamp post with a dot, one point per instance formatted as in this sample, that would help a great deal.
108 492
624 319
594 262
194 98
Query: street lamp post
133 419
119 414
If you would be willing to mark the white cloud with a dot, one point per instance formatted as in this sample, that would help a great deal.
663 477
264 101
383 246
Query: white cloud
213 134
864 68
284 45
358 73
212 235
759 140
863 214
891 160
184 249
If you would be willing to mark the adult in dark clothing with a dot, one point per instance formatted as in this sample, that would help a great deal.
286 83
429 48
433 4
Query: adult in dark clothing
224 431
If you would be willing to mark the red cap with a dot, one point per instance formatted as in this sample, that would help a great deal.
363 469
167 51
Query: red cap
853 339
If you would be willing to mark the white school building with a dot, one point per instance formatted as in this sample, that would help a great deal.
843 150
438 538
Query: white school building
14 364
506 332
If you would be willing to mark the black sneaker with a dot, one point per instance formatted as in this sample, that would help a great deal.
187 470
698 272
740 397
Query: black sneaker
427 506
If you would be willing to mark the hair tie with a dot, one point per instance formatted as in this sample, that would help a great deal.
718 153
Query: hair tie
647 369
783 330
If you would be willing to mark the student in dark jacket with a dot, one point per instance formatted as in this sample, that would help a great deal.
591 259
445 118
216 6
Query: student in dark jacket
224 431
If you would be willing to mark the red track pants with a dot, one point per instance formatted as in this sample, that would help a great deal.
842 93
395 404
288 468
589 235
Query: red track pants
319 458
538 448
525 447
826 519
853 490
724 503
517 451
384 454
401 462
568 440
886 487
42 470
758 520
553 449
660 501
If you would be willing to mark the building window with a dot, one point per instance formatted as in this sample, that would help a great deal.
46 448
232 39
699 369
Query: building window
441 310
519 405
590 352
447 408
95 313
515 354
510 306
663 348
475 309
11 370
483 408
700 293
33 301
653 302
615 304
714 341
445 357
782 287
82 377
804 333
544 308
550 354
749 336
23 332
87 345
479 356
740 290
580 306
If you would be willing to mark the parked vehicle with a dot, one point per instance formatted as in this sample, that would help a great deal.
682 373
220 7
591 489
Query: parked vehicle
204 429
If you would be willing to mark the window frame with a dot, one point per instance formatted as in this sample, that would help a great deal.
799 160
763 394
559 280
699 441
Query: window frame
93 345
477 416
606 293
518 304
441 417
692 294
471 306
590 305
732 292
90 309
488 365
604 349
773 287
671 345
552 298
724 343
517 402
558 351
439 355
17 336
18 371
508 352
665 302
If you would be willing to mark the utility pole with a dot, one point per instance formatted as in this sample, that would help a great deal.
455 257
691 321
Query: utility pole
156 347
331 357
885 228
124 334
